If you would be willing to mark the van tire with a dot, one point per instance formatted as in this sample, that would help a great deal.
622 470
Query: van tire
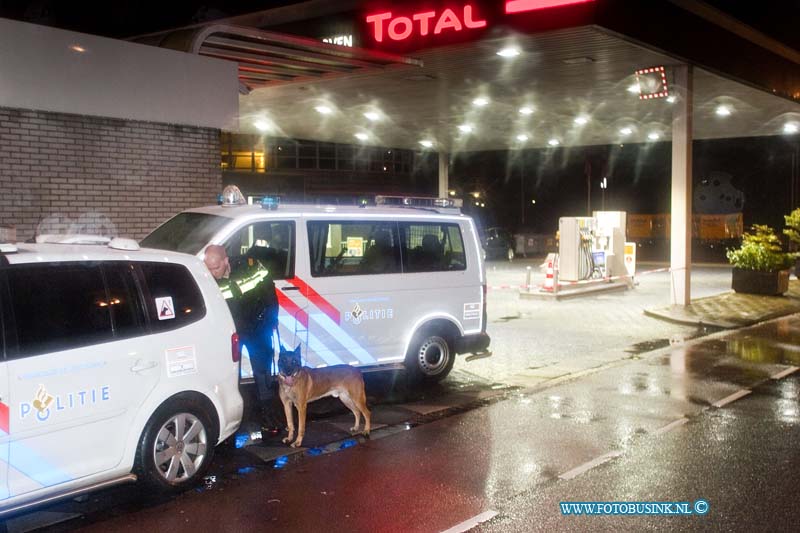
430 356
156 463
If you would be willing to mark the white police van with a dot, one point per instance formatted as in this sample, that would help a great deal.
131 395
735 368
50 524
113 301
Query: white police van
117 363
377 287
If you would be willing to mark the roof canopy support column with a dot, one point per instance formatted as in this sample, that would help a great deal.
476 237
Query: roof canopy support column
444 178
681 223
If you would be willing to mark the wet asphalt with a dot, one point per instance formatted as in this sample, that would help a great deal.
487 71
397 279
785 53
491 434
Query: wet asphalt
518 453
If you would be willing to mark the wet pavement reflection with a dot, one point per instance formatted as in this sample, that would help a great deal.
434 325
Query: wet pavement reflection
470 444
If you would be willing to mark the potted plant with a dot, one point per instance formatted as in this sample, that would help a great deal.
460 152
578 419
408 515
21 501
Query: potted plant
760 266
792 231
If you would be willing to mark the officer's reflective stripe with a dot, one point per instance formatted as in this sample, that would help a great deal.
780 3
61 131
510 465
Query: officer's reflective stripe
343 338
313 343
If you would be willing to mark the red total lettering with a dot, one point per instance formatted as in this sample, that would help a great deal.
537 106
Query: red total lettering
401 28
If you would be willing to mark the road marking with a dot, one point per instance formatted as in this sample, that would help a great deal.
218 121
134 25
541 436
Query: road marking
672 425
784 373
575 472
732 398
466 525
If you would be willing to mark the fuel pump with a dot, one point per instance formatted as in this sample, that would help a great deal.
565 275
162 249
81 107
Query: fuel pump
591 247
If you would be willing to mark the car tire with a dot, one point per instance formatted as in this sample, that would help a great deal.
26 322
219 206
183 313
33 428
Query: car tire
510 254
430 357
177 445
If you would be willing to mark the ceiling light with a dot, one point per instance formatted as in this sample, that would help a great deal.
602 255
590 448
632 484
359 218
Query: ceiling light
635 88
373 116
480 101
653 136
626 131
323 110
465 128
361 136
261 125
791 128
577 60
723 111
671 99
77 48
553 142
426 143
526 110
581 120
522 137
510 51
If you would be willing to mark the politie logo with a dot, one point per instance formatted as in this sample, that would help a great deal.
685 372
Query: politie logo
45 404
358 314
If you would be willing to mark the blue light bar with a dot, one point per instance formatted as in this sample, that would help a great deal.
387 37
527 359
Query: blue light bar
270 202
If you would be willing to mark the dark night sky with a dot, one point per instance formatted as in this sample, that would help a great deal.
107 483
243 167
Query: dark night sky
125 18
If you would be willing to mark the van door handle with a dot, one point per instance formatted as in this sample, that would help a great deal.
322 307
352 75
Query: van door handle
140 366
290 288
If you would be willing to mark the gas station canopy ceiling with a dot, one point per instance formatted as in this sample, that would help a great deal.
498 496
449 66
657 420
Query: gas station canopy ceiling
492 74
573 86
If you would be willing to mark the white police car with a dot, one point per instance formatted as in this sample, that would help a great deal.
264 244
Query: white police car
117 364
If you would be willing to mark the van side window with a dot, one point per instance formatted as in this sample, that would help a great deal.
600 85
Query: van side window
353 248
58 307
269 243
173 299
432 247
127 314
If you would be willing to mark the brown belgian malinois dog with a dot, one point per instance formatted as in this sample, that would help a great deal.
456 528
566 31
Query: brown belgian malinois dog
300 385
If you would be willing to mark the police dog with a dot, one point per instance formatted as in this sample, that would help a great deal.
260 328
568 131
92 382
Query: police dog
299 385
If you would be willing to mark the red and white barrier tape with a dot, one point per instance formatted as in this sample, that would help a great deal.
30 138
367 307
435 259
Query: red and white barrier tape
582 282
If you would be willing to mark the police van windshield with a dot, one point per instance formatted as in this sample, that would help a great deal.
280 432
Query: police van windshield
185 232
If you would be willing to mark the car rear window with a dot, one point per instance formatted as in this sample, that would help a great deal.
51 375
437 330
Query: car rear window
173 298
185 232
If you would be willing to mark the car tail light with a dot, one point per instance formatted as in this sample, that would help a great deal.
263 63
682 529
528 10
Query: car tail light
236 349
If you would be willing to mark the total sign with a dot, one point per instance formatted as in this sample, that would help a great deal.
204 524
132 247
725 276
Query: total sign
387 26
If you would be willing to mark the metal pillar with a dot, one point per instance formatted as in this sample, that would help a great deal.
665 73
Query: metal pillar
681 222
444 179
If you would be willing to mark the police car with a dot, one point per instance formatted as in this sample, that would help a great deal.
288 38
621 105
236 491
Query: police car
118 363
399 284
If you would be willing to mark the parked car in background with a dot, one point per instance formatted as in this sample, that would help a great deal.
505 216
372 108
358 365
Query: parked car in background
498 243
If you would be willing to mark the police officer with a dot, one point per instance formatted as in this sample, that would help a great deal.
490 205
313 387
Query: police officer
254 306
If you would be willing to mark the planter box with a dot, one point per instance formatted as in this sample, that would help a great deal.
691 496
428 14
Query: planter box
755 282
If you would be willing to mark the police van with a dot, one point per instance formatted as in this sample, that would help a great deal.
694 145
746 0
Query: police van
398 284
116 363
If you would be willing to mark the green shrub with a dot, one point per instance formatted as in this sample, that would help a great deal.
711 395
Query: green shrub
761 250
793 226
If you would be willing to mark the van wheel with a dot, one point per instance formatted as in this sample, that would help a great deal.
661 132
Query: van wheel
510 254
430 357
177 445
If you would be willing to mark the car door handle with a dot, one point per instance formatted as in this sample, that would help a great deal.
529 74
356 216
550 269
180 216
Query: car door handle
140 366
290 288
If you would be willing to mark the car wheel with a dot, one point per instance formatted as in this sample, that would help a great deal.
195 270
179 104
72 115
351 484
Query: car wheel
177 445
430 357
510 254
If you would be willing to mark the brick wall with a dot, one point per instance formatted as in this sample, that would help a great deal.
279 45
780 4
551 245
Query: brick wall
60 171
